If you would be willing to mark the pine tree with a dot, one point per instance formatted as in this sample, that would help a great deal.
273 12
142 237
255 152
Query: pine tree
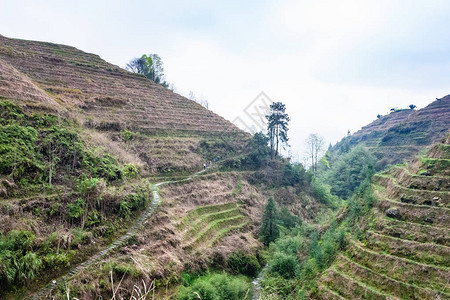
269 230
277 127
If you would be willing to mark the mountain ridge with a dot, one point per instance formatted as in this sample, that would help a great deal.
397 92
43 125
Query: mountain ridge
400 135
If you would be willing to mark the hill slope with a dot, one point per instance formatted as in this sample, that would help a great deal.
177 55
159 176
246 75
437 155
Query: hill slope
401 134
109 101
96 168
103 91
404 251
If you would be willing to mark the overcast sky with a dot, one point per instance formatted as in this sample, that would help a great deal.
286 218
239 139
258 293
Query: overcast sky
335 64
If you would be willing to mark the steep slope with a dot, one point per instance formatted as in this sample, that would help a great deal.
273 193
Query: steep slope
87 150
14 85
80 142
117 105
105 92
404 252
402 133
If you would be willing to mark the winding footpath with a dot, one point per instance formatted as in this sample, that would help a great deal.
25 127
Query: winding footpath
116 244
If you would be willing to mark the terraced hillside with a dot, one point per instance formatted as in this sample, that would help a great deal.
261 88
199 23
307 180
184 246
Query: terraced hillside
198 222
119 109
81 142
204 226
103 91
405 251
401 134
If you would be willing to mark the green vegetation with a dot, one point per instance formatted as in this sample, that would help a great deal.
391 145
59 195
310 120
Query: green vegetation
298 257
349 171
41 149
40 152
243 263
216 287
296 260
49 175
19 264
269 231
150 66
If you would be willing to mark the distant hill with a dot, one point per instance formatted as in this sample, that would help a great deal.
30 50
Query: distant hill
401 134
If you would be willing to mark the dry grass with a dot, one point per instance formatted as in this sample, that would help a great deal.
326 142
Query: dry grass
105 92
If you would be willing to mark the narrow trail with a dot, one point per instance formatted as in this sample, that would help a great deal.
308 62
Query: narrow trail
116 244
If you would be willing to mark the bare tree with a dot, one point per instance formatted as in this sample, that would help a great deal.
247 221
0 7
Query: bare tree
315 146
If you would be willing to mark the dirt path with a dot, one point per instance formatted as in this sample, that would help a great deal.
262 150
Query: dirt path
117 243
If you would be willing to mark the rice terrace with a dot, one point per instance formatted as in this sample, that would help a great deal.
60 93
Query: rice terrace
269 150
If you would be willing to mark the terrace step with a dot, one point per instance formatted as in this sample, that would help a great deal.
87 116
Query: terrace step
215 229
421 252
412 231
392 190
350 288
206 219
384 283
421 214
422 275
419 182
326 294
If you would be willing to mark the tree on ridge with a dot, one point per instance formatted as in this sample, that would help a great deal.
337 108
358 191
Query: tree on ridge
277 127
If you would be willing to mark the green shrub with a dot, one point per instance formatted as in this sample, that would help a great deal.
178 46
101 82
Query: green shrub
322 193
290 245
309 269
199 290
105 166
130 171
87 187
94 218
53 260
243 263
287 219
136 201
28 266
340 240
126 135
124 209
285 265
77 208
10 113
186 279
19 264
79 237
19 154
121 269
349 171
216 287
294 174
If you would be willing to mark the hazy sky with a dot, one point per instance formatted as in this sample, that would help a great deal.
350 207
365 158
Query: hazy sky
335 64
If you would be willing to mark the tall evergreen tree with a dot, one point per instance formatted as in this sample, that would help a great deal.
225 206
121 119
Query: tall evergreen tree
269 230
277 127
